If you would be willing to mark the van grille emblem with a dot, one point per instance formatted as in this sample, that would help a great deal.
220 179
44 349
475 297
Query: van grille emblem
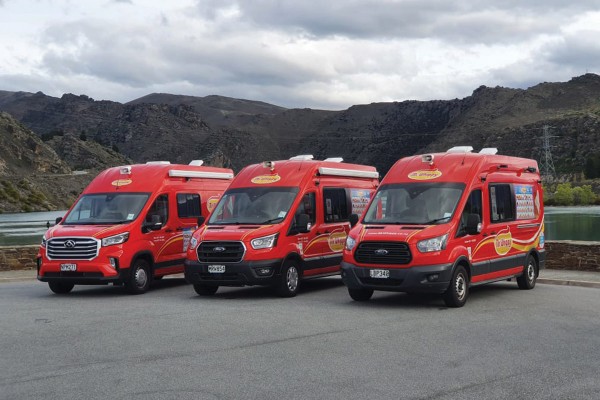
70 244
381 252
219 249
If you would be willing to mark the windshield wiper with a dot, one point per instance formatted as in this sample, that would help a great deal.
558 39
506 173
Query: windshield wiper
433 221
272 220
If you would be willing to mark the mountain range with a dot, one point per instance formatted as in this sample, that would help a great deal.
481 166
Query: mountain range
75 132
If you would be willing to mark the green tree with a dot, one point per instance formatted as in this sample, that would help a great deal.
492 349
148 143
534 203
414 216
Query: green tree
564 195
585 195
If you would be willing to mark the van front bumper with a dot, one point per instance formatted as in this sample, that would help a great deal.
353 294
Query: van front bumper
87 274
421 279
245 273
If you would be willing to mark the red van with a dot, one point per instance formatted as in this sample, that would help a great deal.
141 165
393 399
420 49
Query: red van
130 225
442 223
278 223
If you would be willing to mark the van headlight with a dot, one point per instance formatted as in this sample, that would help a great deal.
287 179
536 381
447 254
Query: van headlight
350 243
44 240
265 242
193 243
117 239
433 244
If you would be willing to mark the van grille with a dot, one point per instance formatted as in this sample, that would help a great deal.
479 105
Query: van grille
72 248
383 253
220 252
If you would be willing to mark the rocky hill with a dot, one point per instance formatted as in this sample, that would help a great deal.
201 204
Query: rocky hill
39 175
233 132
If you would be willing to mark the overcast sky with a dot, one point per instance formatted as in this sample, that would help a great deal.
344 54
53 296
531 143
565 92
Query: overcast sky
327 54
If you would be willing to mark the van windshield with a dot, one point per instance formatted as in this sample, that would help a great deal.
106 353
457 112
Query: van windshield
264 205
414 203
106 208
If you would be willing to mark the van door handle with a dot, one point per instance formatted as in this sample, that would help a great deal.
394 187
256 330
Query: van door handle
168 230
320 233
180 228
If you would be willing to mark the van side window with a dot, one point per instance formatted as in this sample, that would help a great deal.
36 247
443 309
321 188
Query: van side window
188 205
160 207
473 206
307 206
502 205
335 204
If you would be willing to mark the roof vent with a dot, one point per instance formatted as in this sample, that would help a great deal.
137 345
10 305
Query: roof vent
460 149
334 159
158 162
302 157
427 158
196 163
488 150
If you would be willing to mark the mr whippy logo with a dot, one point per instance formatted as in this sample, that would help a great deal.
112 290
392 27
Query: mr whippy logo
337 241
265 179
121 182
503 242
425 174
211 203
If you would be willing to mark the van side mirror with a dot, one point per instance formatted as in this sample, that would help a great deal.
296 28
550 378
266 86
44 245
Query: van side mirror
302 223
154 225
201 220
473 224
57 220
353 220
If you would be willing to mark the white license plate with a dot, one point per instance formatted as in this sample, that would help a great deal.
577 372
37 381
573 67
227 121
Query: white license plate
68 267
379 273
216 269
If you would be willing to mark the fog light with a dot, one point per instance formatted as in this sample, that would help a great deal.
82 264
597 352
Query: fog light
264 271
113 262
433 277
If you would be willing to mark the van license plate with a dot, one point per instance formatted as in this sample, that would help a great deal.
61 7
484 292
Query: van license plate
379 273
216 269
68 267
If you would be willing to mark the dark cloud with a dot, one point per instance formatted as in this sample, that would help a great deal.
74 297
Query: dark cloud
462 20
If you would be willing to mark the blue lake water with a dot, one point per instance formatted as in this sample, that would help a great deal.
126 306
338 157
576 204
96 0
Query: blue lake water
561 223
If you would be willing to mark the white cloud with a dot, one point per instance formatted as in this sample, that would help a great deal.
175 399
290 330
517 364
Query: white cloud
290 53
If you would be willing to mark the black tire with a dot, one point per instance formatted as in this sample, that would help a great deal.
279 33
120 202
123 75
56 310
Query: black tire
61 287
205 290
360 294
530 273
289 281
458 291
139 279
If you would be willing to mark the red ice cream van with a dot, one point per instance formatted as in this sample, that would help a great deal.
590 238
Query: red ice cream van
132 224
278 223
441 223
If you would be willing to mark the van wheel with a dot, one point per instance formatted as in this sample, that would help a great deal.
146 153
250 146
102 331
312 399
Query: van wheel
61 287
139 280
205 290
458 291
529 277
360 294
289 280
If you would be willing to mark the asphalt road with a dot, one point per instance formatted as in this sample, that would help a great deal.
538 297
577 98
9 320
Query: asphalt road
246 343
